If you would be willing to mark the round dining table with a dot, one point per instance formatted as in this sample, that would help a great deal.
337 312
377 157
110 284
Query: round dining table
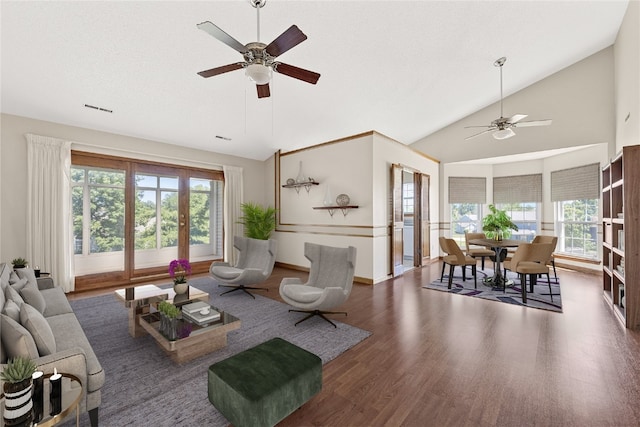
500 248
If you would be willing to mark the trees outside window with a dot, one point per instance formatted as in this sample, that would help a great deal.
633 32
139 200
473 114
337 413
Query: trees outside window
465 217
525 216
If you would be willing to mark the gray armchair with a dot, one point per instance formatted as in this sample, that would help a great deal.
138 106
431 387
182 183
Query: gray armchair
254 266
329 283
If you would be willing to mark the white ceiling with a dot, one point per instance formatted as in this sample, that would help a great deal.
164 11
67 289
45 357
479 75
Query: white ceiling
403 68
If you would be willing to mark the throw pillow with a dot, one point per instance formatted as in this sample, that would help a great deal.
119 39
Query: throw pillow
39 328
16 339
3 299
32 296
29 274
13 295
19 284
13 277
12 310
5 273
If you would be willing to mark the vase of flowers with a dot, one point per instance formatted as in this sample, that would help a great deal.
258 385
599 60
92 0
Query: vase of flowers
179 269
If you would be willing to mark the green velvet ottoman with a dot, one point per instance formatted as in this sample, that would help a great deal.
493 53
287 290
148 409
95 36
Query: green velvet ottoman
264 384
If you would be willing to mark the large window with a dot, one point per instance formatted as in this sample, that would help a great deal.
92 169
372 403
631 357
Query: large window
525 216
131 218
578 227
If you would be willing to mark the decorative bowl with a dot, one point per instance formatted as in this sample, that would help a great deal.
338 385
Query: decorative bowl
291 181
204 311
342 200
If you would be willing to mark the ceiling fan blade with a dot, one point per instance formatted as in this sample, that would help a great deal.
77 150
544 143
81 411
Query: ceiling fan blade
285 41
215 31
516 118
481 133
534 123
263 91
296 73
468 127
220 70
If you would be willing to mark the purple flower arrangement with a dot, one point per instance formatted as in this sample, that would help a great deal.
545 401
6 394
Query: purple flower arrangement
179 269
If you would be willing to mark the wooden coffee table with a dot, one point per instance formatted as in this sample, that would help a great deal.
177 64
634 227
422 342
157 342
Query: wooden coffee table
138 299
202 340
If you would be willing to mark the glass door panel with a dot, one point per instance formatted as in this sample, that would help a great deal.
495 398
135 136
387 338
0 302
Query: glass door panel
205 219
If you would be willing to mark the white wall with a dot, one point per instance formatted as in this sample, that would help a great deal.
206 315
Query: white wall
627 78
358 166
13 168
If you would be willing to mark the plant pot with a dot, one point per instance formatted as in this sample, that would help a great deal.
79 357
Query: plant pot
181 288
18 403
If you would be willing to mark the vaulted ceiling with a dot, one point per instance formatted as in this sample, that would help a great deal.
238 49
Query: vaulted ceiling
403 68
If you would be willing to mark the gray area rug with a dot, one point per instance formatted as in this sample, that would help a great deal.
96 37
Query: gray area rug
540 297
144 387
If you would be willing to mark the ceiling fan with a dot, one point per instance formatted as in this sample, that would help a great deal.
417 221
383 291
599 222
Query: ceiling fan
502 127
259 58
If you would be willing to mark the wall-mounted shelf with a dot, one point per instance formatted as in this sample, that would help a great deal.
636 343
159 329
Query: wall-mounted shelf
332 209
307 185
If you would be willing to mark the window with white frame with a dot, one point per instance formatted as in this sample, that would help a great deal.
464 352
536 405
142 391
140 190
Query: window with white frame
577 225
466 197
576 194
521 197
525 216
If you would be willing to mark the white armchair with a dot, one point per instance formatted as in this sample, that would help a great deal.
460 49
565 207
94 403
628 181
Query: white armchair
254 266
329 283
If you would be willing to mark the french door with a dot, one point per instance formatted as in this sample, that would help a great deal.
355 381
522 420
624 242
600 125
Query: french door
132 218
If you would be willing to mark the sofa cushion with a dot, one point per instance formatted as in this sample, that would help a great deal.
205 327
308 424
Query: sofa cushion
28 274
5 273
16 339
69 334
32 296
3 299
19 284
56 301
13 295
40 330
12 310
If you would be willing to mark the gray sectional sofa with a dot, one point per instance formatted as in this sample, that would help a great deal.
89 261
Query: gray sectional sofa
36 320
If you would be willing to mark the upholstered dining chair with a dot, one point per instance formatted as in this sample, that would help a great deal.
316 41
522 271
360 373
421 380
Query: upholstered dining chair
530 260
329 283
475 251
255 264
554 241
454 258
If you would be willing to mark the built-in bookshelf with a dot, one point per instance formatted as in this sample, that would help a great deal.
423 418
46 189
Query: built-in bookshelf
621 235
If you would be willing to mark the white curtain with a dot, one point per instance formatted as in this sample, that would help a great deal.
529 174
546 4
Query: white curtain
233 198
49 230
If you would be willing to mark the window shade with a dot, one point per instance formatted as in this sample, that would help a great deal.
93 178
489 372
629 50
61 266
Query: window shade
517 189
579 183
467 190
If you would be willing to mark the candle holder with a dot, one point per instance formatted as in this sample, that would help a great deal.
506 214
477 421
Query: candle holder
55 397
38 396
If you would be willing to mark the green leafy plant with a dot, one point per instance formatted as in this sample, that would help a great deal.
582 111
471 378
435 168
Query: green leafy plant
168 309
259 222
498 224
18 369
19 262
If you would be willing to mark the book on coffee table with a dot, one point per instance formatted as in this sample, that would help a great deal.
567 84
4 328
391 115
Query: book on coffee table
201 319
195 307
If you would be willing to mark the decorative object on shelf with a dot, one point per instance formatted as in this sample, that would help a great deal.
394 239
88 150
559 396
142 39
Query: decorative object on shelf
179 269
19 262
55 395
300 178
342 200
328 199
291 181
497 225
18 387
259 222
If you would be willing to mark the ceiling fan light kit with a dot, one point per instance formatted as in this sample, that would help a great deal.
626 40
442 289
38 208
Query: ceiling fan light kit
259 58
502 127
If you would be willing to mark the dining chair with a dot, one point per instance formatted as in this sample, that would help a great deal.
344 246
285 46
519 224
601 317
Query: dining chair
476 251
530 260
554 241
456 257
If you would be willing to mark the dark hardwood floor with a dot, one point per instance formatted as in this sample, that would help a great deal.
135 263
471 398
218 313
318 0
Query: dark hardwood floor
436 359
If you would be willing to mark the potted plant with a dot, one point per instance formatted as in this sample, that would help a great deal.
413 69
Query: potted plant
17 391
179 269
19 262
258 221
498 224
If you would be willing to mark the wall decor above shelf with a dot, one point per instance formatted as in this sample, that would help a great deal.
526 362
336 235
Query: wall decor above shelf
297 185
332 209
